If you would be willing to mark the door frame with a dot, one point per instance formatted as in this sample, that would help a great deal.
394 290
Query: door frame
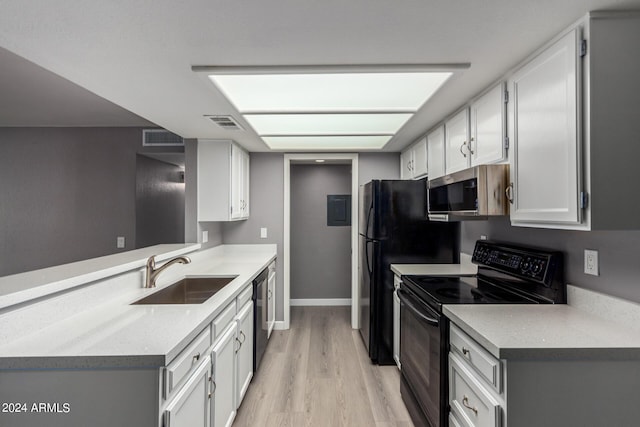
347 157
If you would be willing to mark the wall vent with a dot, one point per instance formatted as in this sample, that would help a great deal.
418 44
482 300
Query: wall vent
225 122
160 138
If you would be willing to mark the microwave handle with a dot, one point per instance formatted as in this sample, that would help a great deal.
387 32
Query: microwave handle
509 192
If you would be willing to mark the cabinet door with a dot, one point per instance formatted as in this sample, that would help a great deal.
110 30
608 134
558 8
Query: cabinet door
545 163
244 351
435 149
236 182
271 303
488 127
457 142
245 184
420 159
406 160
223 407
396 328
190 406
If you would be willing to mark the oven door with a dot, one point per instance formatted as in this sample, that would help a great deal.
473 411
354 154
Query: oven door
422 337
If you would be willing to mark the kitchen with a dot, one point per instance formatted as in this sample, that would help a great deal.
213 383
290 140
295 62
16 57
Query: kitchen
617 271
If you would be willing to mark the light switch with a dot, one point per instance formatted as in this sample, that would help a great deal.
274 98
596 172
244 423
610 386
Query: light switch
120 242
263 232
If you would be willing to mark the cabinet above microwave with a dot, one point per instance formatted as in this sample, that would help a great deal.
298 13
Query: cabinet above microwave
474 193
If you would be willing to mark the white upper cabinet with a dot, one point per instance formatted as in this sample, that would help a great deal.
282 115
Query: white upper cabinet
435 147
223 181
545 163
457 154
413 161
488 117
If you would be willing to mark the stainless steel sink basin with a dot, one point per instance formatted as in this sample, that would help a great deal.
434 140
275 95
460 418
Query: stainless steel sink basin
190 290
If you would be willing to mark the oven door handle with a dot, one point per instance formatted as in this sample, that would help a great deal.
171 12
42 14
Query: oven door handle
418 312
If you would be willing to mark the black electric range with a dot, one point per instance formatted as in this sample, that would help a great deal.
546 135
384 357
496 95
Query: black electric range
507 274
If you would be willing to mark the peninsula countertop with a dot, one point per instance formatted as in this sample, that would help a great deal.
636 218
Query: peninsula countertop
94 326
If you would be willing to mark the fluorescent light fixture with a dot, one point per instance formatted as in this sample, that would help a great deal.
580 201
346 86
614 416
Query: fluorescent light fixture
330 92
332 143
327 124
329 107
319 160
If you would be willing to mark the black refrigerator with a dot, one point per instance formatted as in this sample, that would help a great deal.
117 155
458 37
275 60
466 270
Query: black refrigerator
394 229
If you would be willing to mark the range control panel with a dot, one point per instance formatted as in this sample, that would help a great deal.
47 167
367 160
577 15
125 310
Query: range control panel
527 263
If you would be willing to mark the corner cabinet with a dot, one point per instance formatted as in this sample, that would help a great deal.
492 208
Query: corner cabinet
413 161
435 147
223 181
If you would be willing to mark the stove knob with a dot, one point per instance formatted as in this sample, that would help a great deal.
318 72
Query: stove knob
537 267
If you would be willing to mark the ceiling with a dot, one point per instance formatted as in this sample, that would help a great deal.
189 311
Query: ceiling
138 54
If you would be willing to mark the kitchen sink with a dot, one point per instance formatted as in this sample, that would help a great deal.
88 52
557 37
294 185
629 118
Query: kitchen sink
190 290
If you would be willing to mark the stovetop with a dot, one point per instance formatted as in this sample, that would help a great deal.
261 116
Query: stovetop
437 291
507 274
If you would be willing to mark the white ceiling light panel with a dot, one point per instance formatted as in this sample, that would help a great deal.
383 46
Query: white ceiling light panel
334 143
338 92
327 124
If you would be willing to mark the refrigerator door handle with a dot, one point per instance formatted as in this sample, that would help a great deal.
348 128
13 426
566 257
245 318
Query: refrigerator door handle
366 255
366 230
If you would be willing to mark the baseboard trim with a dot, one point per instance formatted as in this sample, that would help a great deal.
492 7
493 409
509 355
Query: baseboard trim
321 302
279 326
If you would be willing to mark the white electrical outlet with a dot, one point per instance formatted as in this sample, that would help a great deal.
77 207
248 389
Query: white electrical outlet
591 262
263 232
120 242
483 237
205 236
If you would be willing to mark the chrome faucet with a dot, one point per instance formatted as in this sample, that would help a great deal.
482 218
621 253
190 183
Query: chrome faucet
152 271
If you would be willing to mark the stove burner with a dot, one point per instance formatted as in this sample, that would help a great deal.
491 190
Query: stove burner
449 293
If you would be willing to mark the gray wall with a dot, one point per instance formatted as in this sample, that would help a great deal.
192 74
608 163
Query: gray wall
320 255
266 195
618 253
159 202
378 166
65 194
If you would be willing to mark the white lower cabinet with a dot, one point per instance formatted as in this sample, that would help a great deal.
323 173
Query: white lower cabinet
271 299
223 359
476 394
190 406
244 351
396 320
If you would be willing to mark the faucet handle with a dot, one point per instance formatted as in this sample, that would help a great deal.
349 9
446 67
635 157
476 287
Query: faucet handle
151 262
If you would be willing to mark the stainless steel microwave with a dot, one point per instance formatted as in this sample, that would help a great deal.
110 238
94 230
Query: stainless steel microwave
474 193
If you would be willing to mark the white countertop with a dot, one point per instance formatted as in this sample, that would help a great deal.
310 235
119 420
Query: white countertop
557 331
110 332
22 287
465 268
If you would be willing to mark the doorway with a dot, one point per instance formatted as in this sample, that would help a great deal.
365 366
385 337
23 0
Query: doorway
351 161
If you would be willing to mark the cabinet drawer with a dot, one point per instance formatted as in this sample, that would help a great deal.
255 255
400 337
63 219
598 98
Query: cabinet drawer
223 319
245 296
190 357
471 403
489 368
453 421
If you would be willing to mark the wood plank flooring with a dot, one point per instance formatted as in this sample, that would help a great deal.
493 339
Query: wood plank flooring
318 374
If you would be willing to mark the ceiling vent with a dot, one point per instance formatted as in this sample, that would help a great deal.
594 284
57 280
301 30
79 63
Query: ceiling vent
225 122
160 138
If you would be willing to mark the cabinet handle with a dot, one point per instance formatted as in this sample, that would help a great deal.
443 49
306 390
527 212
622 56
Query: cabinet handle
213 383
465 402
462 152
244 337
239 345
470 141
196 357
466 351
509 192
270 293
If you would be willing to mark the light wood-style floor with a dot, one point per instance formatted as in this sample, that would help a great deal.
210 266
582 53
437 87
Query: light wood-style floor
318 374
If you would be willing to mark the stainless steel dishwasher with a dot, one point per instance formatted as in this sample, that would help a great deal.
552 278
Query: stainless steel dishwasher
260 316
